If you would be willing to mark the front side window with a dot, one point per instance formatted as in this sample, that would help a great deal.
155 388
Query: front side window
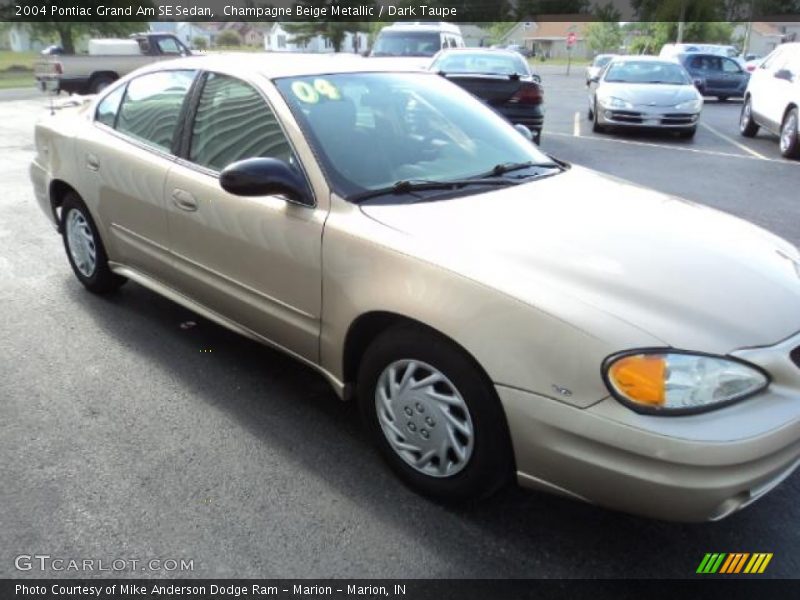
108 107
152 106
407 43
730 66
372 130
233 122
168 46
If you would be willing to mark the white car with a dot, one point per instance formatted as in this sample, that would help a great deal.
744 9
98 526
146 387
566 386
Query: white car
772 99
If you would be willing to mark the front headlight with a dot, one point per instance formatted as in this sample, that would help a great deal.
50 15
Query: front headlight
692 105
612 102
669 382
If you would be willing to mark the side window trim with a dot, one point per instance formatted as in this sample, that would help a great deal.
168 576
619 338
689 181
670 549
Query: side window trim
193 100
95 120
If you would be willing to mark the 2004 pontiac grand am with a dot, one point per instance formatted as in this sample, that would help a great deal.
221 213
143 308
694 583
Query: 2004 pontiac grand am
496 313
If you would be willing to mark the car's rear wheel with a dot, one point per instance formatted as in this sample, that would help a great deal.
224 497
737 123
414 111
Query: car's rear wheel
747 126
85 250
434 416
789 143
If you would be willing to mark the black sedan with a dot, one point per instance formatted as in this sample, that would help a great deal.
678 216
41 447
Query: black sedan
501 78
715 75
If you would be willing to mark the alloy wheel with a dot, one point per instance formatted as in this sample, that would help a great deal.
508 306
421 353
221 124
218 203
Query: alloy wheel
81 243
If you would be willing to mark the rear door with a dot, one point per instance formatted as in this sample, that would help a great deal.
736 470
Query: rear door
255 260
124 161
734 77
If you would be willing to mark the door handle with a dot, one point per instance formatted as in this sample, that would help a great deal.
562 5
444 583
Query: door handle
184 200
92 162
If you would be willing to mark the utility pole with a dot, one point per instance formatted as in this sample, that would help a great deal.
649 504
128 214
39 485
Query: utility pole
681 22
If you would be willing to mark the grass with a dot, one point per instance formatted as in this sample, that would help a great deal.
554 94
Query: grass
16 69
535 60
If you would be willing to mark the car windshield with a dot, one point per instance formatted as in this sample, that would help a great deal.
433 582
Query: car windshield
646 72
373 130
407 43
480 62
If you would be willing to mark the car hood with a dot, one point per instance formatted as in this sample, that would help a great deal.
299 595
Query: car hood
690 276
648 94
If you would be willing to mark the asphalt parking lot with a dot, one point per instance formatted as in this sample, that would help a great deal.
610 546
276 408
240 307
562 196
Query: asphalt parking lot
126 433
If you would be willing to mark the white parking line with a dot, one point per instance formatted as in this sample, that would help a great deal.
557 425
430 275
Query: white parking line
576 124
729 139
678 148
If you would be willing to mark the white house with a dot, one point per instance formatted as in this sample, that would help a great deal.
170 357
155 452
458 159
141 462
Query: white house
20 40
277 39
186 31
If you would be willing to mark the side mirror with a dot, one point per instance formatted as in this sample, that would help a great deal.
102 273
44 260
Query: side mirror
265 177
524 131
595 79
700 84
784 74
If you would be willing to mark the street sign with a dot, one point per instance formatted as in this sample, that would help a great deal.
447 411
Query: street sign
571 39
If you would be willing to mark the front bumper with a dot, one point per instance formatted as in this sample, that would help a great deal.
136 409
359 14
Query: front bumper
647 117
682 468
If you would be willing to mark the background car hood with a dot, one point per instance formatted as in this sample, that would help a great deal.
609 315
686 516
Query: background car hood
647 93
691 276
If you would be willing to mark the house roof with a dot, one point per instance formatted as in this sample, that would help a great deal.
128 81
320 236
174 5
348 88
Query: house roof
558 30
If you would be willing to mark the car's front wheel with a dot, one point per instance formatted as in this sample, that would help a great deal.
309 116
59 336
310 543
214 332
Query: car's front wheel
790 144
596 126
85 250
747 126
435 417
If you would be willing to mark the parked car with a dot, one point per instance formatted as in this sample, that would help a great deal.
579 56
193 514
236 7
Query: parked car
719 76
645 92
597 64
523 50
673 50
107 61
495 313
501 78
772 99
416 39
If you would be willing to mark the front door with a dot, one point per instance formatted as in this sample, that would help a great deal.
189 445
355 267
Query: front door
256 260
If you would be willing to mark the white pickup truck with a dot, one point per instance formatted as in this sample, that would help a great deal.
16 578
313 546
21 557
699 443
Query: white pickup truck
107 61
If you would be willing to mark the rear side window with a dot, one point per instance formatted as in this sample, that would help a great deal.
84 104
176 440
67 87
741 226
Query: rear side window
152 106
730 66
108 107
233 122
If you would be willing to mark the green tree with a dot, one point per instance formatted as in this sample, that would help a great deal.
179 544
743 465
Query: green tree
332 30
200 42
67 32
604 37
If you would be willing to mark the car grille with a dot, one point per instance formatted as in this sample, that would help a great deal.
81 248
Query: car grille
625 116
795 356
628 116
677 119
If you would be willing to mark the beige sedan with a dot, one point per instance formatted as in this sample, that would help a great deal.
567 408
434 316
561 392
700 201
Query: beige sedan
496 313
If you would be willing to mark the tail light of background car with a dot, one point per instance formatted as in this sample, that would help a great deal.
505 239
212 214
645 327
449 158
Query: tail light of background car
529 93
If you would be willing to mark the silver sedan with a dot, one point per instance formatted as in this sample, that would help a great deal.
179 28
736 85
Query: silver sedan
644 92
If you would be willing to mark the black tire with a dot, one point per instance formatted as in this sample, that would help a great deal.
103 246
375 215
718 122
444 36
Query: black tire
491 464
100 82
537 137
688 133
589 113
596 127
747 125
791 121
101 280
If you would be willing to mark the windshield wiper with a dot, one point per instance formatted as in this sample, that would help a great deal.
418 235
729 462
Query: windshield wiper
504 168
405 186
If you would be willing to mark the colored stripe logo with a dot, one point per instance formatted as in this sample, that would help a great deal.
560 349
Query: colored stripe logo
734 563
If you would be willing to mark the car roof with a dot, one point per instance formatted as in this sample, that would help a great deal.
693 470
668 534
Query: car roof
642 58
279 64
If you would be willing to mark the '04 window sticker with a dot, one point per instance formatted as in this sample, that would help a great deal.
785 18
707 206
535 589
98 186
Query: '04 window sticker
310 94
